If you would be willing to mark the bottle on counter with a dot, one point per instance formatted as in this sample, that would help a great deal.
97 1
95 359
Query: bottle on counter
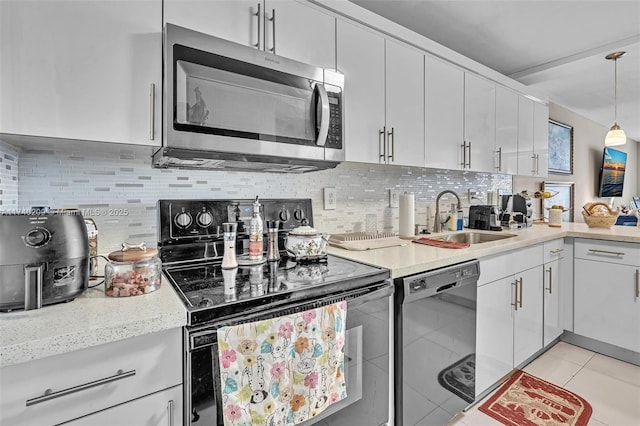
453 218
229 260
460 221
255 234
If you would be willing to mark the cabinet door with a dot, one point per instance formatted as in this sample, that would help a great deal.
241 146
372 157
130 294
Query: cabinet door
494 332
527 328
552 306
506 131
162 408
606 304
361 59
404 105
479 122
443 115
301 32
233 20
526 159
82 70
541 138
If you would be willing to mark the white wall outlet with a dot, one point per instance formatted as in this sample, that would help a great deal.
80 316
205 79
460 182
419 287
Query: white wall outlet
394 198
330 201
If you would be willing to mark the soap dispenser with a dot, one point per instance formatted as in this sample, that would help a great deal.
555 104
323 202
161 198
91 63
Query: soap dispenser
255 233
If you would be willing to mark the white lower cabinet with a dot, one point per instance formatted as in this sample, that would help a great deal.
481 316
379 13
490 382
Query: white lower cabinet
554 283
163 408
509 313
607 292
97 380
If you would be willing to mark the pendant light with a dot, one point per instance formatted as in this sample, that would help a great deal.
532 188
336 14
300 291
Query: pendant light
616 135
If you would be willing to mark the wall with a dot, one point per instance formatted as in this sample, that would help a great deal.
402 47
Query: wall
588 145
116 186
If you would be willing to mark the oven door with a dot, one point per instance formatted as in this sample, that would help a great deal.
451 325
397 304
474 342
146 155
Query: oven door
368 362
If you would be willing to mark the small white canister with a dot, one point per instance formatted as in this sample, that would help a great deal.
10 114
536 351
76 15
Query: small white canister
555 217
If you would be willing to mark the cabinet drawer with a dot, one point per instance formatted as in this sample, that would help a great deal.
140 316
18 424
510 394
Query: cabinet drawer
608 251
85 381
553 250
502 265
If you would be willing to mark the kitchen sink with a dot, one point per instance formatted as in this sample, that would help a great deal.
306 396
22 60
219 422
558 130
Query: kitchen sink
473 237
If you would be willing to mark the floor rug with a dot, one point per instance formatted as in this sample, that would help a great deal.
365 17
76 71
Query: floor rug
460 377
525 400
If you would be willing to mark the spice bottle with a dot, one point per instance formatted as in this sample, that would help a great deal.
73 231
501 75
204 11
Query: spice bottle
273 253
255 233
229 258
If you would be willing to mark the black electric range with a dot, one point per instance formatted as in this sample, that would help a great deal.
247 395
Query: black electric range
191 248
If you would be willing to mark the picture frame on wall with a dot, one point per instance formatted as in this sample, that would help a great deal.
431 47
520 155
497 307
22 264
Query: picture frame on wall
563 196
560 148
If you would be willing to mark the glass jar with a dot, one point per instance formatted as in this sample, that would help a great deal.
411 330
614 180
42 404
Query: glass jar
132 271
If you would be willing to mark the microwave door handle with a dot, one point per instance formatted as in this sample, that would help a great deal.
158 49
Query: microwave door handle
322 114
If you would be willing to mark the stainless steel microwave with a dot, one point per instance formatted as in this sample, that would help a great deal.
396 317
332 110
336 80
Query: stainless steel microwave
235 107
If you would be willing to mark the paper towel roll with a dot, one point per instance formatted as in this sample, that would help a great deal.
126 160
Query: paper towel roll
407 215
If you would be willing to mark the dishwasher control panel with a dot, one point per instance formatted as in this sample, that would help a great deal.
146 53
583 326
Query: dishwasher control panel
432 282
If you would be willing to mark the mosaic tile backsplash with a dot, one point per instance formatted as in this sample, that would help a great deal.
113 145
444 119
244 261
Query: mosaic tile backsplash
116 186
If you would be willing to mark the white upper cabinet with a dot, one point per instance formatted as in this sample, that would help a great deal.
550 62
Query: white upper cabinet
506 131
89 70
541 138
533 129
404 105
299 31
444 114
479 123
383 98
360 54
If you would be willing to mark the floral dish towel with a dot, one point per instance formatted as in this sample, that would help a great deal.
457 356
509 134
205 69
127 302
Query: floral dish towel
283 371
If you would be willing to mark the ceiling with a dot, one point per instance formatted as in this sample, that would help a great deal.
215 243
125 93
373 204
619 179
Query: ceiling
557 47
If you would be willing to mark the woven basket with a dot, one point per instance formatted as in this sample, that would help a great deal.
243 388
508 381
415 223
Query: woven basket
596 218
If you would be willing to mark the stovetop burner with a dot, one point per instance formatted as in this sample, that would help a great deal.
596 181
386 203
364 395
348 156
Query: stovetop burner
192 263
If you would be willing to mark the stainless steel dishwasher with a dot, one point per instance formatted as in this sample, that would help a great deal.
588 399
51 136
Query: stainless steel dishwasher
435 347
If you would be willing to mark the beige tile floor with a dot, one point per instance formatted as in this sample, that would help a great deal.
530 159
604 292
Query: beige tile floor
612 387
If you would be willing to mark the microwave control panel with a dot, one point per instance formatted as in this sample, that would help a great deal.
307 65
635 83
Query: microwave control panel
334 138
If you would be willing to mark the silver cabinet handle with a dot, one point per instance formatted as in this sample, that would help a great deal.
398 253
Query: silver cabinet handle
533 164
464 154
273 31
499 166
556 251
515 295
382 134
550 271
49 394
537 164
637 283
469 163
257 15
520 302
392 139
170 409
152 111
612 253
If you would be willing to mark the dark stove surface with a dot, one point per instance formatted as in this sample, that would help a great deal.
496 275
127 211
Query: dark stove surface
210 292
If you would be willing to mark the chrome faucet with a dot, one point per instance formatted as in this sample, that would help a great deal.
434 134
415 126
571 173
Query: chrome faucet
437 225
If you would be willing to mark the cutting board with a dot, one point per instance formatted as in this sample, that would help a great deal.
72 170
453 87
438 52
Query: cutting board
365 244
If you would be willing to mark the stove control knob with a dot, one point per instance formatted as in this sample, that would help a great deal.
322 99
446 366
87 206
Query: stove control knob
37 237
204 219
183 219
298 214
284 214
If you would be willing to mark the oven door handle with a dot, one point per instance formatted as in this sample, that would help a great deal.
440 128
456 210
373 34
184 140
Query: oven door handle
322 114
355 298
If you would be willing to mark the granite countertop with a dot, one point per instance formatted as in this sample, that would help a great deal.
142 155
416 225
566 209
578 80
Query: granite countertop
415 258
89 320
93 319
